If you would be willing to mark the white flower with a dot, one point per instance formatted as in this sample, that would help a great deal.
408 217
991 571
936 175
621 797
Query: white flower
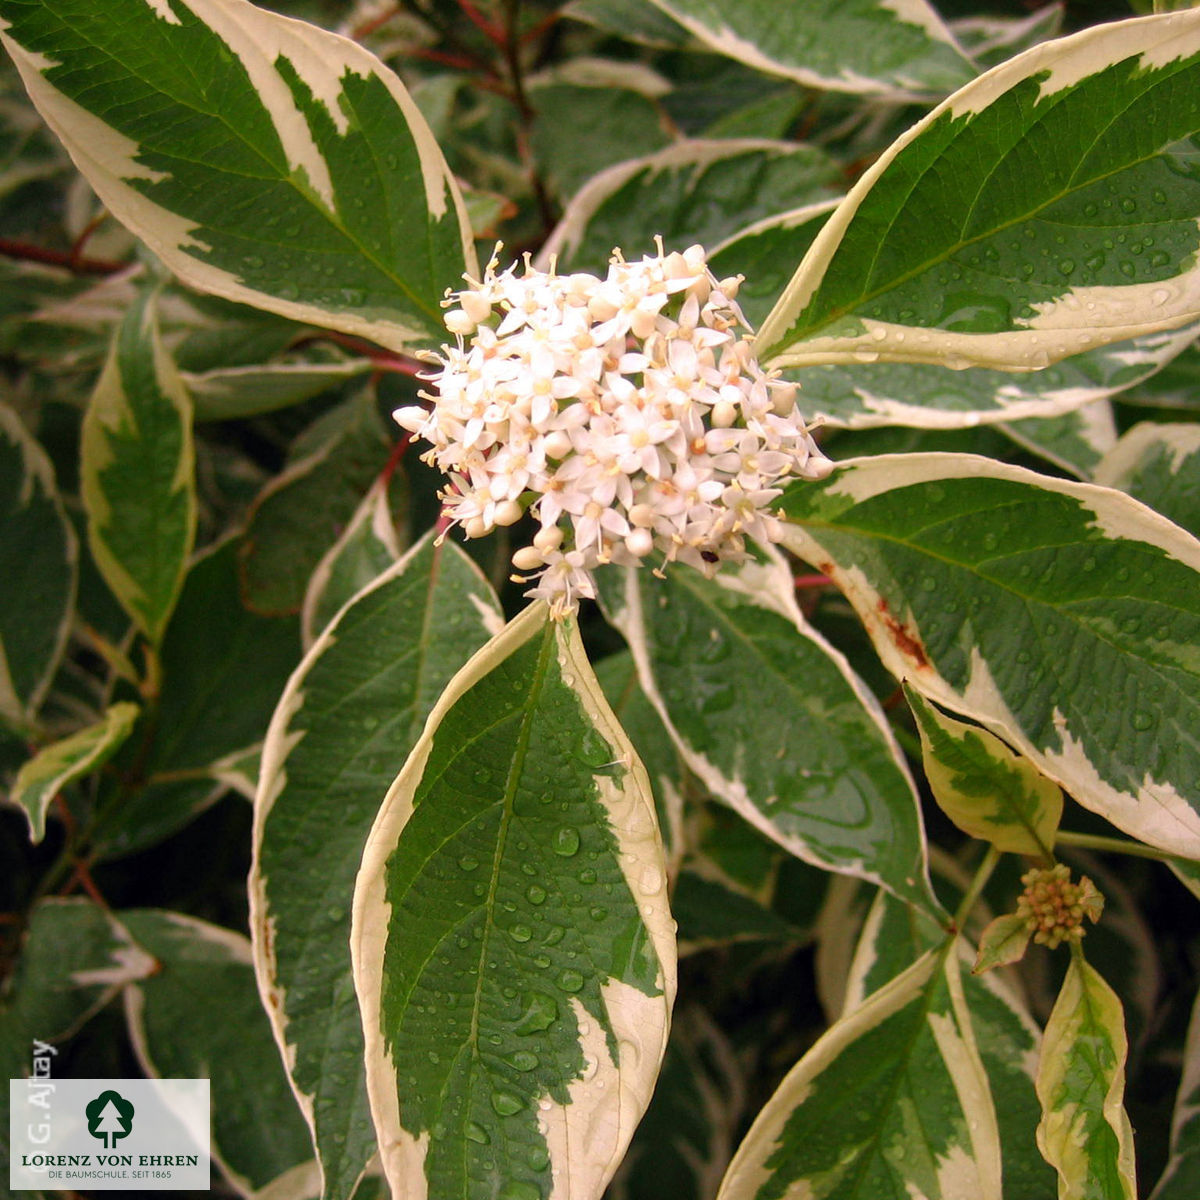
628 415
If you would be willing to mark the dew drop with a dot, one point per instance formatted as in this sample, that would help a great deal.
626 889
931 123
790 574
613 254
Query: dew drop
507 1104
650 880
566 841
522 1060
598 913
1160 258
570 981
538 1012
1090 210
535 894
1066 266
1129 205
537 1158
481 775
468 863
554 935
929 584
1141 721
476 1133
520 933
587 876
1128 269
1160 296
1158 196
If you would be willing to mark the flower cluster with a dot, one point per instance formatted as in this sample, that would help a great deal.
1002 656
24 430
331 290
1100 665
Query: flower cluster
1053 907
627 414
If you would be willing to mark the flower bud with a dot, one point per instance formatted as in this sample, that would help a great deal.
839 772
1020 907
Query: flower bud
528 558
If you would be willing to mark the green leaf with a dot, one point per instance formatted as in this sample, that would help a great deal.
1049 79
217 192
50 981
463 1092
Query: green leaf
693 191
258 1135
513 951
770 717
901 50
980 583
364 550
970 243
1085 1134
347 719
1006 1037
1075 442
637 20
53 767
1181 1179
260 158
38 563
1160 466
138 472
621 123
230 393
1002 942
892 1100
302 511
983 787
223 668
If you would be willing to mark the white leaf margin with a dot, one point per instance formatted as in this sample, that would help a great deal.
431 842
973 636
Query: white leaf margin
1172 824
257 38
641 1023
1079 320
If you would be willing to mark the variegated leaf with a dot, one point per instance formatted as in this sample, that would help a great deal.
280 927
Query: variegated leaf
864 395
138 472
1085 1132
38 563
892 1100
970 242
364 550
229 393
1006 1037
513 951
261 158
346 721
990 40
300 514
897 48
637 20
259 1140
1159 465
643 726
1181 1179
53 767
811 762
983 787
978 581
693 191
1074 442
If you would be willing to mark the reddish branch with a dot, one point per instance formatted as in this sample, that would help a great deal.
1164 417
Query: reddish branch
75 263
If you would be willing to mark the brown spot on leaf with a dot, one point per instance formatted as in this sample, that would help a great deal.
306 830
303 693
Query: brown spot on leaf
903 640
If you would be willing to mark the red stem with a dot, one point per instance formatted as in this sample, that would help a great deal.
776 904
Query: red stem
75 263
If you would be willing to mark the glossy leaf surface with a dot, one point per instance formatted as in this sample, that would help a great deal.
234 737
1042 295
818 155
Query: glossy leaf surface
261 158
345 723
513 952
1062 616
811 762
970 242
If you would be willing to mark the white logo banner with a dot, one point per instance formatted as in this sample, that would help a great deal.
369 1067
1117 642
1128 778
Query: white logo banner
95 1134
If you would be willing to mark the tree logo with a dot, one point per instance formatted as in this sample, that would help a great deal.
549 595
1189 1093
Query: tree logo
109 1118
